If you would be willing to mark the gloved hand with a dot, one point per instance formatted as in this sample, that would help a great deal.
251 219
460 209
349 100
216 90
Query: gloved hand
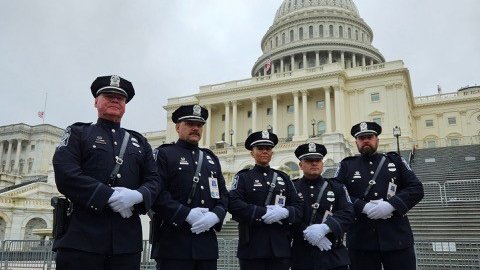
274 214
127 212
324 244
196 214
368 206
205 223
382 210
315 232
124 199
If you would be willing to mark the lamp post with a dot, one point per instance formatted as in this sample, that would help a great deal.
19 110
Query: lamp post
231 136
397 132
313 121
269 128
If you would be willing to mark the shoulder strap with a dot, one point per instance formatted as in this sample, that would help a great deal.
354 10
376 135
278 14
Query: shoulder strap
272 186
119 160
316 205
372 182
195 177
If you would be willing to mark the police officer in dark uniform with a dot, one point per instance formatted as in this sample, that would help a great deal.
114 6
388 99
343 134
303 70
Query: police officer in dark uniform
265 203
383 189
327 215
192 208
104 230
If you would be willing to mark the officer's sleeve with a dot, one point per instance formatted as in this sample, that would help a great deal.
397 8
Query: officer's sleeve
70 178
298 228
341 177
343 217
172 211
409 190
239 207
151 180
294 204
221 204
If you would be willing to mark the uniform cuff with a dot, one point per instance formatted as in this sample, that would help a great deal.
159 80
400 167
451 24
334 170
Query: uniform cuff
358 205
99 198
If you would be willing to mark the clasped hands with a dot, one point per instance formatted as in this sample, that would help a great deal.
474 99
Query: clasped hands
316 235
123 199
378 209
274 214
201 219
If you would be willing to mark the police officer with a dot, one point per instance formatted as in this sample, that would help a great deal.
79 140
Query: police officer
383 189
265 204
109 175
195 202
327 215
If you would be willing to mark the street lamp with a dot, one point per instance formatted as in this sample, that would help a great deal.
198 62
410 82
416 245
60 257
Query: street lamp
397 132
231 136
269 128
313 127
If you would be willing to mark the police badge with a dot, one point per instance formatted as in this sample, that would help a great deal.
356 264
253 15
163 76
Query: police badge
312 147
265 134
197 110
115 81
363 126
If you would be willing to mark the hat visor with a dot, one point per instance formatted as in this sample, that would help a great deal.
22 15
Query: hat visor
311 156
191 118
111 89
262 143
366 132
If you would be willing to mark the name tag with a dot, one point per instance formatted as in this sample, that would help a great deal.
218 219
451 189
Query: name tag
280 200
392 189
214 192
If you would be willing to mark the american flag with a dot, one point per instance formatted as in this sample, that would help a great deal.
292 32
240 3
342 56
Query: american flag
41 114
268 66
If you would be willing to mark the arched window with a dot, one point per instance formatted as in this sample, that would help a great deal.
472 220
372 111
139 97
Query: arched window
349 33
3 226
330 31
276 41
290 131
291 168
321 128
34 223
291 36
356 34
283 38
271 44
300 33
340 31
310 31
320 30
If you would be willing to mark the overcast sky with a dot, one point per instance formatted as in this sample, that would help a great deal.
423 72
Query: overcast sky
170 48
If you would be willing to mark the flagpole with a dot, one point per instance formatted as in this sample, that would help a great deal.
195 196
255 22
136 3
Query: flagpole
45 108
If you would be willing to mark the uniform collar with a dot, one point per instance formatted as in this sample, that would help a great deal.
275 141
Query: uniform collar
186 144
371 157
261 168
318 180
108 124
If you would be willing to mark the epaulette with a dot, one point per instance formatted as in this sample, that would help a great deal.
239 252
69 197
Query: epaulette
133 132
281 173
350 157
208 151
243 170
81 124
295 179
166 145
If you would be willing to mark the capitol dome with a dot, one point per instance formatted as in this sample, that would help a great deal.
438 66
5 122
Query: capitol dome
311 33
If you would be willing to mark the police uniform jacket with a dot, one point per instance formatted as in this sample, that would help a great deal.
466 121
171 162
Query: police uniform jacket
177 163
336 201
383 234
83 162
247 206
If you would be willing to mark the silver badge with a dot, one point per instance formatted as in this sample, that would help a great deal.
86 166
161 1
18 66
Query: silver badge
265 134
197 110
363 126
330 196
115 81
312 147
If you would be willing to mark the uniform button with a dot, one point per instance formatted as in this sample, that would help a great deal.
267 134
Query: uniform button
371 172
119 175
196 162
115 143
94 146
174 224
113 130
268 183
376 194
91 206
311 195
179 168
254 189
201 187
96 209
311 186
371 163
265 174
353 181
202 202
139 151
193 152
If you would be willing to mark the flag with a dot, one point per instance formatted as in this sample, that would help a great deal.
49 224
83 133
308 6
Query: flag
267 66
41 114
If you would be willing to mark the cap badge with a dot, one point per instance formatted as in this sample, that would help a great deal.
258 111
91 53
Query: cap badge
115 81
265 135
197 110
312 147
363 126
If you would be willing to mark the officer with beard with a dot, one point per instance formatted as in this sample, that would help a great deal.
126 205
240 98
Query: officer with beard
383 189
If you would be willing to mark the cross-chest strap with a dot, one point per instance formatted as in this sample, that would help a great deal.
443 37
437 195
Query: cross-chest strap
119 159
272 187
195 177
316 205
372 182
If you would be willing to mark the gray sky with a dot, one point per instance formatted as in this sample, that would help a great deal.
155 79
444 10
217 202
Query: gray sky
170 48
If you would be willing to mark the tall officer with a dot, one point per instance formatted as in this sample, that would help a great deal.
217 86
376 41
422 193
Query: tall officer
105 230
327 215
383 189
265 203
195 201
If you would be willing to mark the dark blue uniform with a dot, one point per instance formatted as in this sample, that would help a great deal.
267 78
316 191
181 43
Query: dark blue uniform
83 162
336 201
391 238
173 238
258 240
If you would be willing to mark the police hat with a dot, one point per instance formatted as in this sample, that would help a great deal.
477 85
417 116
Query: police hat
366 128
310 151
193 113
112 84
261 138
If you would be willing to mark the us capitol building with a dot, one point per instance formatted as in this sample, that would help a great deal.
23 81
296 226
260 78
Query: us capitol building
318 75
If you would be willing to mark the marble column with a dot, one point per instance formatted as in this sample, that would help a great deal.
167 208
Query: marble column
328 110
281 65
363 61
304 114
305 60
292 62
234 122
274 114
342 59
296 114
17 156
330 60
317 58
9 156
254 114
1 154
227 121
354 60
209 127
336 98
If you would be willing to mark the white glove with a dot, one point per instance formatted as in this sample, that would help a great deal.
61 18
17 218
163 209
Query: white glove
315 232
274 214
368 207
324 244
196 214
127 212
124 199
382 210
205 223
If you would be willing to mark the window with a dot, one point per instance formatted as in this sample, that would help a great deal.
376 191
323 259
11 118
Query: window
290 132
374 97
30 165
330 31
310 31
12 165
249 114
377 120
340 31
356 34
429 123
430 144
291 36
300 33
320 104
478 118
269 111
452 120
283 38
290 109
320 30
321 128
271 44
223 117
276 41
32 147
363 37
349 33
21 165
454 142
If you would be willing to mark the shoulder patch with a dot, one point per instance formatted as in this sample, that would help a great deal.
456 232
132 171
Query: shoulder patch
234 182
65 137
135 133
